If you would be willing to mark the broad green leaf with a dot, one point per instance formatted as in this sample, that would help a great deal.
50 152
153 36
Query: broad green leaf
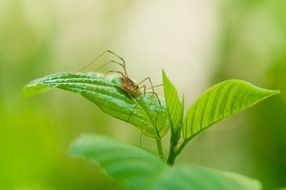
132 167
144 112
192 177
174 106
220 101
137 169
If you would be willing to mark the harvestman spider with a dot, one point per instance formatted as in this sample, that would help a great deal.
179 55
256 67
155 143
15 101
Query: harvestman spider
127 84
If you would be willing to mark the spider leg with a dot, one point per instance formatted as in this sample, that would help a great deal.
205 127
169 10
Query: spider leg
109 62
144 87
109 72
112 61
154 93
152 87
155 86
141 130
119 57
116 55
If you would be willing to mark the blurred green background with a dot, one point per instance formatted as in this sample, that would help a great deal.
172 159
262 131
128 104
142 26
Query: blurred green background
197 43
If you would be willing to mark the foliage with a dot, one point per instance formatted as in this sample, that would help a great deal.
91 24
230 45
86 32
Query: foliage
107 94
135 168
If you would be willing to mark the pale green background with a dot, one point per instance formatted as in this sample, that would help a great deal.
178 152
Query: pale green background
198 43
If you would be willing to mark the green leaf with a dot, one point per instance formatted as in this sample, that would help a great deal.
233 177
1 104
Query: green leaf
193 177
220 101
132 167
144 112
137 169
174 106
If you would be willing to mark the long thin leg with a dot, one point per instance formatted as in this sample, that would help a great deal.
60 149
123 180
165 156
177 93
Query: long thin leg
141 131
116 55
95 59
144 87
101 55
119 57
129 117
109 72
157 116
147 78
155 86
150 81
152 87
109 62
153 92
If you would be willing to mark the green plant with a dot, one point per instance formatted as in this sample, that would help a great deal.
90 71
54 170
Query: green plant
135 168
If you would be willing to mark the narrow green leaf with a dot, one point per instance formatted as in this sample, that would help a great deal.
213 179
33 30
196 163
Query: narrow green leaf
137 169
174 106
220 101
144 112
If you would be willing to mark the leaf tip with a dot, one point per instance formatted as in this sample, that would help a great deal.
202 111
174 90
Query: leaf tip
270 93
164 76
276 92
79 141
32 89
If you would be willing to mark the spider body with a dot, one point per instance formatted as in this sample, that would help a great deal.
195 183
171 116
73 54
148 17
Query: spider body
130 87
127 85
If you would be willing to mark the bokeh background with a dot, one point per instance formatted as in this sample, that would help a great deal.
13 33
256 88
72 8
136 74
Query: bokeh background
198 43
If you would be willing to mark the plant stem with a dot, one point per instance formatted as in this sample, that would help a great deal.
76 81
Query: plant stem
181 147
160 148
172 155
174 152
172 149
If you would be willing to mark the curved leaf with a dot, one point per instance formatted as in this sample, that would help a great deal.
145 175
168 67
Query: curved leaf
192 177
132 167
144 112
137 169
220 101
